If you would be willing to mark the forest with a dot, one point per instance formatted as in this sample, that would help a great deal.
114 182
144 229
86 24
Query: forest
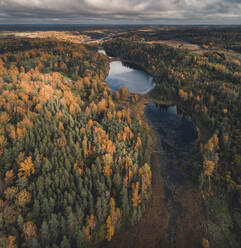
74 163
76 158
227 37
208 88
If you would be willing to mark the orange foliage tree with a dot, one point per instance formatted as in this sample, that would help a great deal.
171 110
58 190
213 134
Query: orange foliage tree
26 168
29 230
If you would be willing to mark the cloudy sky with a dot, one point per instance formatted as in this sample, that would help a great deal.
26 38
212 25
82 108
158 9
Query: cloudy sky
121 11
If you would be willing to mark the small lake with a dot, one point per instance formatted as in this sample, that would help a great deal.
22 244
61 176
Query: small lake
177 130
121 74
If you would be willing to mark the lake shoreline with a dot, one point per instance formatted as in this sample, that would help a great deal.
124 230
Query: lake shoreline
161 222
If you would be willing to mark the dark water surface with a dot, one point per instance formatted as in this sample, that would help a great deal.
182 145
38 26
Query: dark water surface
176 129
175 136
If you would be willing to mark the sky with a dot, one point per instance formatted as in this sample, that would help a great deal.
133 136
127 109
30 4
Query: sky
120 12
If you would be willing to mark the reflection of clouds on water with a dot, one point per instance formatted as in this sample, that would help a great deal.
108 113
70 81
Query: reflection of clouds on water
137 81
102 51
174 128
117 68
172 109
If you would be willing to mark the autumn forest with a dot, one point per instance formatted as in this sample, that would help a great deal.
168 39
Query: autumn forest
74 162
79 162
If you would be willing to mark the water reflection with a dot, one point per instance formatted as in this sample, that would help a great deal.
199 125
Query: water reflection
102 52
165 108
136 80
175 128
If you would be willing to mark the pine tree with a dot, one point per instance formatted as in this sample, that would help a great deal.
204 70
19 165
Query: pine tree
44 233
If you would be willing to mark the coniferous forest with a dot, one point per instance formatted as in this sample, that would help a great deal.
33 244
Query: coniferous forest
74 163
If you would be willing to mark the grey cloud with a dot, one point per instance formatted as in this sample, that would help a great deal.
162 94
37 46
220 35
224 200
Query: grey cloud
121 11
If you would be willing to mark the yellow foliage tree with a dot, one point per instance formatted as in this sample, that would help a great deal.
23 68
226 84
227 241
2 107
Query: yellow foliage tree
145 173
91 222
77 169
61 126
135 196
89 226
29 230
110 229
90 123
209 167
107 170
26 168
138 143
205 243
3 143
23 198
183 94
102 105
11 242
86 232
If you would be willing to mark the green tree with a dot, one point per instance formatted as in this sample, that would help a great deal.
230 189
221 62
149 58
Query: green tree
124 201
54 227
44 233
65 243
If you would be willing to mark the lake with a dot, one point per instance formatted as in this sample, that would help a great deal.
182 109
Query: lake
176 129
121 74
